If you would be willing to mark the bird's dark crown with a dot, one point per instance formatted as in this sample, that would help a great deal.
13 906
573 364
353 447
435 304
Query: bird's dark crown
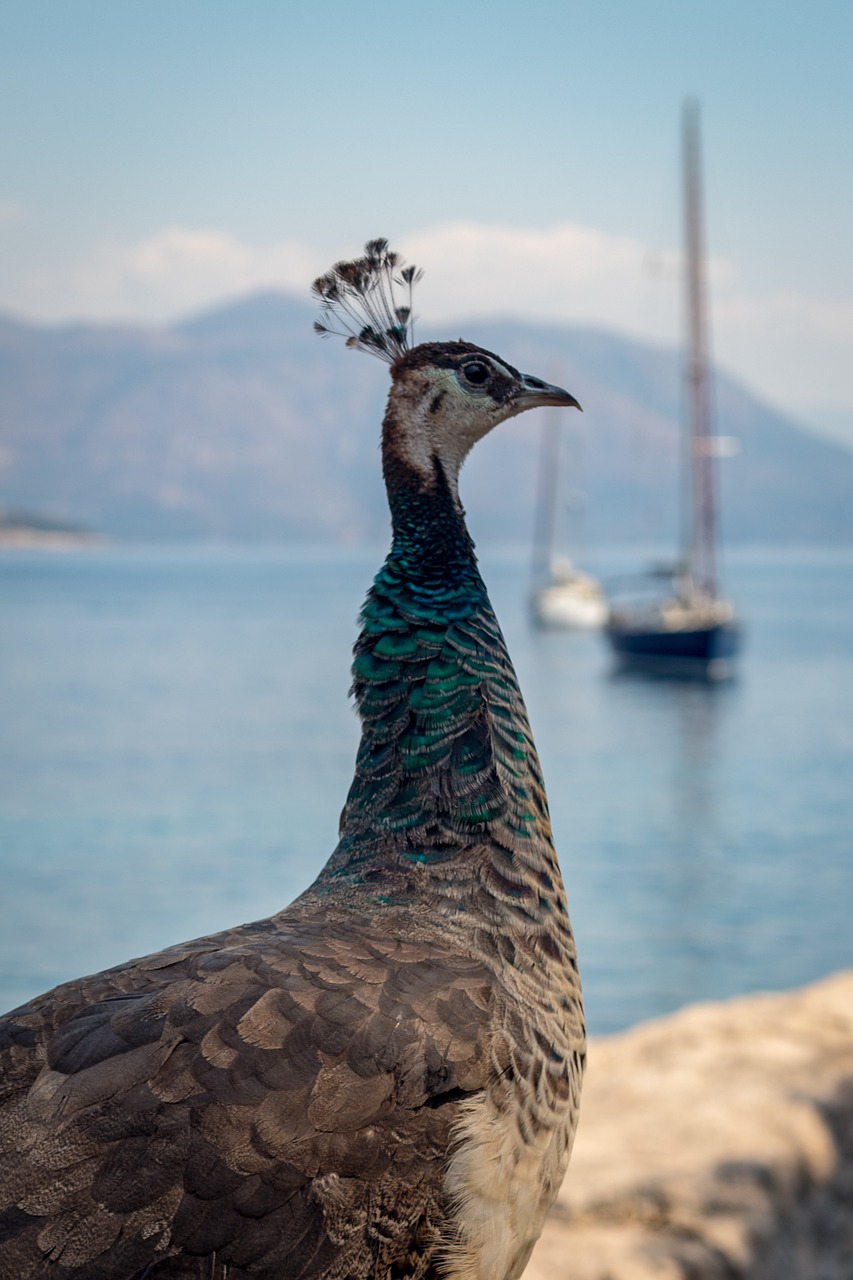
490 374
447 355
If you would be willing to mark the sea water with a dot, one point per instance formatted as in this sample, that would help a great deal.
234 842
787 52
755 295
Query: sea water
176 744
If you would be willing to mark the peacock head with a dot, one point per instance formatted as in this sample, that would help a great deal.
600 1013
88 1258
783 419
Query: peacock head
445 396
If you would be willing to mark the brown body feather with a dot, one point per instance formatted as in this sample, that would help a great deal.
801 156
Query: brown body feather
280 1094
282 1097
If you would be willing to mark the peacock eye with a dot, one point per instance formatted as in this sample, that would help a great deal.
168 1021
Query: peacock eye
475 372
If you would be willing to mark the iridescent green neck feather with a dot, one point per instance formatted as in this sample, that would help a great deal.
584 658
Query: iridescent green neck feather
447 787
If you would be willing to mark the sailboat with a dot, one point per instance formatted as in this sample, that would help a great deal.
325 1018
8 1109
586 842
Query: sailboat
691 625
562 595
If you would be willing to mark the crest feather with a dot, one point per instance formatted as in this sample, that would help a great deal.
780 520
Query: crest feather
359 302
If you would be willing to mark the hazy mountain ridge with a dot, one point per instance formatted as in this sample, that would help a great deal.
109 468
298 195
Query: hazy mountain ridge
240 423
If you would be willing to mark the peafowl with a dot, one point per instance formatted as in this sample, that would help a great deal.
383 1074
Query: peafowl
380 1082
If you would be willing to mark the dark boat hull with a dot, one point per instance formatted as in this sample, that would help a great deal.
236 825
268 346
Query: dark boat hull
692 647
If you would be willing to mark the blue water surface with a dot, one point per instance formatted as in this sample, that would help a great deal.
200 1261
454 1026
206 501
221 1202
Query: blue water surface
176 744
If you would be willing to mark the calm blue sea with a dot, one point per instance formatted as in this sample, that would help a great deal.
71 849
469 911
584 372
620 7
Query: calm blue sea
176 744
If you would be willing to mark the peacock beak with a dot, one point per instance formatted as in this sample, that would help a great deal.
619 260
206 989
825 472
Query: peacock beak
535 393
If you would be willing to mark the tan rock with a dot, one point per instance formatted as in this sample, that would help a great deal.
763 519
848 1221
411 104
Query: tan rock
717 1142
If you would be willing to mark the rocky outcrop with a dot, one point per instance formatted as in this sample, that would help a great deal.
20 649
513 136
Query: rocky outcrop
715 1143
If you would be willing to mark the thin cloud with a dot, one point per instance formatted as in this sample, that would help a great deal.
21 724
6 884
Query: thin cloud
565 273
180 269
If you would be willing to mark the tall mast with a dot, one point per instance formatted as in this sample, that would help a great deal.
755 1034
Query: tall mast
702 533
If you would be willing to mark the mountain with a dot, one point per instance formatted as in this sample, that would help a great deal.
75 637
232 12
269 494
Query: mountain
240 423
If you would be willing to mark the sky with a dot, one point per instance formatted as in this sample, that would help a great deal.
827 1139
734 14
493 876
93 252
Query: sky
161 157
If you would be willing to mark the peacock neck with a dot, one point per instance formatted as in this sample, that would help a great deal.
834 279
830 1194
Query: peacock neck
431 546
447 794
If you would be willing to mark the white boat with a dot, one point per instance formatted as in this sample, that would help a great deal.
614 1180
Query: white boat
571 598
562 595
